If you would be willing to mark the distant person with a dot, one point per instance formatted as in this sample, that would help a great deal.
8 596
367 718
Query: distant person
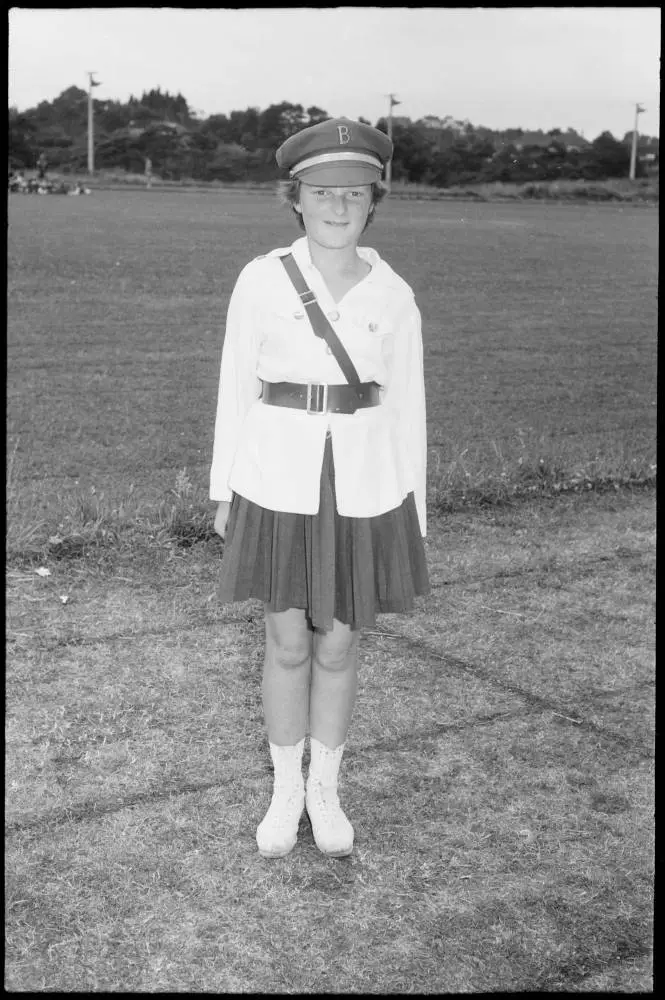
319 462
148 172
42 165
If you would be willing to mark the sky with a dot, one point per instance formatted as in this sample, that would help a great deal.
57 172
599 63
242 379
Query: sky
501 67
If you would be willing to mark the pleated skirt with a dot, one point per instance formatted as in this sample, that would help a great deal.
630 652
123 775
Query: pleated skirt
348 568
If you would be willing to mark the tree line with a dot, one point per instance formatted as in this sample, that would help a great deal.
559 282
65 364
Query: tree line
162 128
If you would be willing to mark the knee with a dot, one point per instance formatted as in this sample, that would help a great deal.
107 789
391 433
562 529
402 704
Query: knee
336 657
290 654
288 642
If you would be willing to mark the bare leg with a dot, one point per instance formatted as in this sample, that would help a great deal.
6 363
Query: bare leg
334 684
286 675
333 694
286 680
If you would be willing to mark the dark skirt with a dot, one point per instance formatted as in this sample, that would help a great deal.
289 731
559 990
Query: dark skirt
348 568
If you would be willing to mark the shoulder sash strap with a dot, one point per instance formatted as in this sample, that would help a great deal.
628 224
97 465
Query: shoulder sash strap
317 318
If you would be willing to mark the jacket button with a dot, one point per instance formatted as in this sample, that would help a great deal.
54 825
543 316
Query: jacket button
298 315
333 315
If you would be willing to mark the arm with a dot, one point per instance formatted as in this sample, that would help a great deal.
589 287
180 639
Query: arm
239 385
405 394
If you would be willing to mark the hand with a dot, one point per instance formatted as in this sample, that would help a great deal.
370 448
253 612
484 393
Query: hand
222 517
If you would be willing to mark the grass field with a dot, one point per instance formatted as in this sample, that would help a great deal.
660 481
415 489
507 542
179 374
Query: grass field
539 329
644 190
499 766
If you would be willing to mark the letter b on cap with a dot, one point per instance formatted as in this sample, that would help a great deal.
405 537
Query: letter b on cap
343 133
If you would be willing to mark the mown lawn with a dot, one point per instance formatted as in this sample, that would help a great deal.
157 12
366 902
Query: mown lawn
499 769
499 774
539 330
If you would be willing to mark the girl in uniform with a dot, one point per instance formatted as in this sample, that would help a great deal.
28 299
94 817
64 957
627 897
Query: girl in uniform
319 464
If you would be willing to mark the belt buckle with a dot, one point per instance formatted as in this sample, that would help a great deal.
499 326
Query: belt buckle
320 403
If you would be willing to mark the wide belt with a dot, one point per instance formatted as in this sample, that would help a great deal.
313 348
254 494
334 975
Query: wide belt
318 397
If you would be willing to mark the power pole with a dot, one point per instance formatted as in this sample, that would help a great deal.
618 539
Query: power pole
91 139
633 149
391 104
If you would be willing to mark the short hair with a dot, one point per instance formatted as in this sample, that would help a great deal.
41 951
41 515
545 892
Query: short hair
288 193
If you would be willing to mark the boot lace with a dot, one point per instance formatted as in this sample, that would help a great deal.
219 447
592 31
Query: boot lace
326 799
284 806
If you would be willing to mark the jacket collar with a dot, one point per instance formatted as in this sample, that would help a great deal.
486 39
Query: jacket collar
300 250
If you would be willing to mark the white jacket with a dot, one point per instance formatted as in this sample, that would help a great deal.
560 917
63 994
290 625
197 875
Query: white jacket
273 455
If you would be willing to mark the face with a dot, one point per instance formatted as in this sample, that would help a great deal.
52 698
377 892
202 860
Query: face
334 217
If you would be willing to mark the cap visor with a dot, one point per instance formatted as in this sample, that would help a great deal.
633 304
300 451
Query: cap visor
339 174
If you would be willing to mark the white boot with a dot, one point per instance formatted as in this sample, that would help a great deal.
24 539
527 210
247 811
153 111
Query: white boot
278 830
332 831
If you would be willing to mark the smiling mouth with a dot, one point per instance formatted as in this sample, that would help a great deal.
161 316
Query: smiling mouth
336 223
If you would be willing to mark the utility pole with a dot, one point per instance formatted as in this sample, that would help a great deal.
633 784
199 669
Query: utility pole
391 104
91 139
633 149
